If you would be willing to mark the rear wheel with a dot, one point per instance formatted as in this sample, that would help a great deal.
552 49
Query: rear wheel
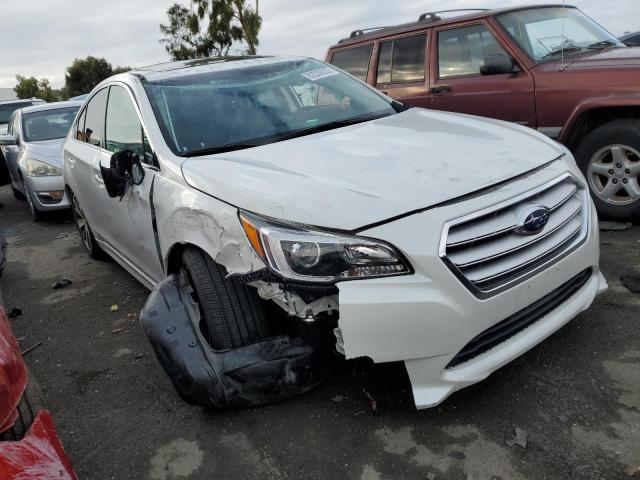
232 312
609 157
86 235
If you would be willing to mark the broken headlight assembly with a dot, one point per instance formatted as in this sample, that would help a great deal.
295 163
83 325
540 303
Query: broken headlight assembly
300 253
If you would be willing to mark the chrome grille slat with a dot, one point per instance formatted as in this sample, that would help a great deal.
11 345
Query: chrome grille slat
514 242
488 261
503 220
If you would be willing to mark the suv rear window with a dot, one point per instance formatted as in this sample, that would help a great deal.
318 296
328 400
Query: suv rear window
355 61
402 60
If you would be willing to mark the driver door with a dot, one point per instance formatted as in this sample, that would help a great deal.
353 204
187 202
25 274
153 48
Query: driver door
127 222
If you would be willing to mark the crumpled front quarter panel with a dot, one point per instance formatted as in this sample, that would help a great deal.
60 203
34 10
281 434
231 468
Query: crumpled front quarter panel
13 374
39 456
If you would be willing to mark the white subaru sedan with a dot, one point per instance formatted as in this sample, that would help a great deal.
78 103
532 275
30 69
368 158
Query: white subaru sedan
272 203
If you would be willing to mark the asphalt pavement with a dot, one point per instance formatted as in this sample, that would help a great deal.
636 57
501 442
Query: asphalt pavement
574 400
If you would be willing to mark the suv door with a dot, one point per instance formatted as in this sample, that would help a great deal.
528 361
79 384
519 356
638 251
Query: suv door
457 54
127 222
401 70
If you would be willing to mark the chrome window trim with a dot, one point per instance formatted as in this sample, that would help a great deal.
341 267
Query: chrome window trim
485 294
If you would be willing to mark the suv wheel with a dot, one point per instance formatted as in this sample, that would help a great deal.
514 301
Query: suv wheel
232 314
609 157
86 235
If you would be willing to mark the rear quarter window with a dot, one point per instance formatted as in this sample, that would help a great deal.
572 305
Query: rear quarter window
354 60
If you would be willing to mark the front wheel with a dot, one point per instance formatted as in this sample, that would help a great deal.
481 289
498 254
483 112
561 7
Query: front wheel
36 215
609 157
232 314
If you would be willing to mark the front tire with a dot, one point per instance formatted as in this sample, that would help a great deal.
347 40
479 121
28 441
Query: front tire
86 235
609 157
232 312
36 215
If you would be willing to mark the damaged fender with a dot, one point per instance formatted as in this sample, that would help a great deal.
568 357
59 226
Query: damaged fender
266 372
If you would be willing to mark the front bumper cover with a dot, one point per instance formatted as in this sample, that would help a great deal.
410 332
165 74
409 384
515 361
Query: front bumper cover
265 372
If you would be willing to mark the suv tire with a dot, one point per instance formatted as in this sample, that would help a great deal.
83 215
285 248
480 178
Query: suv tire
609 157
232 312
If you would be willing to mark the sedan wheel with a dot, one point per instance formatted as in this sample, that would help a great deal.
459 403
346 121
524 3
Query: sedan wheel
614 172
88 240
35 214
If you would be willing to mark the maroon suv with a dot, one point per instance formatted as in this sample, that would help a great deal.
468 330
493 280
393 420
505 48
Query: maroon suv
548 67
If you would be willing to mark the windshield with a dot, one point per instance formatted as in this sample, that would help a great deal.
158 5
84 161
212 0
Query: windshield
48 124
551 33
7 110
258 103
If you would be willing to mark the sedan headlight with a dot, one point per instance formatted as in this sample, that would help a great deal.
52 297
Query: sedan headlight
36 168
303 254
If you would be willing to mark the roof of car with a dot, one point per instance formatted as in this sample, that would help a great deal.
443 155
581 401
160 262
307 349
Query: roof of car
431 19
21 100
629 35
50 106
181 68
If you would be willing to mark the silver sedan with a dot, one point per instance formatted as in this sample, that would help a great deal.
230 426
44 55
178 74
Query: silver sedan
32 149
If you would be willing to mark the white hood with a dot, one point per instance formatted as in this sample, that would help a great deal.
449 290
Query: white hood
362 174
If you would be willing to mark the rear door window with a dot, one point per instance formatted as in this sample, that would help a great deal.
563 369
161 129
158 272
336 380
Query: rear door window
93 132
462 51
402 60
354 60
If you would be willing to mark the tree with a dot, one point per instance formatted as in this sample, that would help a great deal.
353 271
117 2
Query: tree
84 74
30 87
209 28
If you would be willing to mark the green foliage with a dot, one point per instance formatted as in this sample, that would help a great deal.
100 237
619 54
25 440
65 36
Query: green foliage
209 28
31 87
84 74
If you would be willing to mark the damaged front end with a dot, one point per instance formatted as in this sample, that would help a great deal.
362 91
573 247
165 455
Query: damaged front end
269 371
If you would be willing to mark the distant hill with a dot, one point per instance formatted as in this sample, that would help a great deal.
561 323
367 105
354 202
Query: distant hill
7 94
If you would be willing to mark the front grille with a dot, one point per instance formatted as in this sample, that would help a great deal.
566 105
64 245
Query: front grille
488 254
519 321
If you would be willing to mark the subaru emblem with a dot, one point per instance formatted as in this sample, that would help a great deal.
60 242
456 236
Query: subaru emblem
532 219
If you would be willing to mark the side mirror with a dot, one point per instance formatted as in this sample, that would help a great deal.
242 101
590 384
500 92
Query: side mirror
498 63
8 140
124 170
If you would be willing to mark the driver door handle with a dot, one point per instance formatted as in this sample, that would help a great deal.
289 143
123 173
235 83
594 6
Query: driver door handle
98 178
440 89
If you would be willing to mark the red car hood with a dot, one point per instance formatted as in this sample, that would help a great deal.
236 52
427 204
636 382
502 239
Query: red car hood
13 374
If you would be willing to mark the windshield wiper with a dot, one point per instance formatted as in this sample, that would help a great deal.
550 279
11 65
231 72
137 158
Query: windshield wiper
230 147
603 44
328 126
570 49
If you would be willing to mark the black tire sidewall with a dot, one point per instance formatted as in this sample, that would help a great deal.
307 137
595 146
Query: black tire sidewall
617 132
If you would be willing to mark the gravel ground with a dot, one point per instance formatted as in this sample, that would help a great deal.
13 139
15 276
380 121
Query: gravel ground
576 396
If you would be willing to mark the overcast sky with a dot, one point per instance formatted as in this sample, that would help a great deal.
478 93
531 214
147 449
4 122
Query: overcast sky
42 38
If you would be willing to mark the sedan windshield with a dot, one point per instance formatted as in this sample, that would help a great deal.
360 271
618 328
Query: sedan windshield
554 32
47 124
255 104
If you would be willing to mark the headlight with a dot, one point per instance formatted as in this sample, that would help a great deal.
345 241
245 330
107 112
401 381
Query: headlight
36 168
303 254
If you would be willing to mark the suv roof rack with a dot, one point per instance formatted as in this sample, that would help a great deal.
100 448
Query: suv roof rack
424 18
362 31
434 17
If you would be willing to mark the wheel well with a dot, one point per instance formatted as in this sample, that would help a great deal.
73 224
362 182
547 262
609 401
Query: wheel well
174 259
592 119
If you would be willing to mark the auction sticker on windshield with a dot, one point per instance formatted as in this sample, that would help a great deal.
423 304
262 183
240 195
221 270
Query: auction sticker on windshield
319 73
